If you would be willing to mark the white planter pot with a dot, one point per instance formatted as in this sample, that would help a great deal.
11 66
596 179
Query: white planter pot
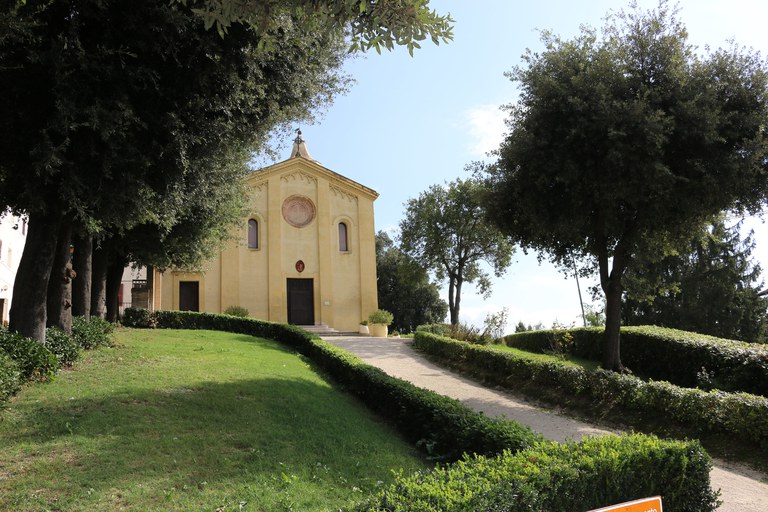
363 329
378 330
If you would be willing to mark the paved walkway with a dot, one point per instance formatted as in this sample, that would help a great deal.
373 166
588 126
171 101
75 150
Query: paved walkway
743 490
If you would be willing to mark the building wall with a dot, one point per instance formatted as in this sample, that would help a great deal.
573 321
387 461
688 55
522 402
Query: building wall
131 274
13 235
344 282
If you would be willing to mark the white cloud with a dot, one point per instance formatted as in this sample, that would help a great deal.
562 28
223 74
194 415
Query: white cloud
486 128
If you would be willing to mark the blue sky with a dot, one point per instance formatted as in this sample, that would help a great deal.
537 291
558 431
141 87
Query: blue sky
408 123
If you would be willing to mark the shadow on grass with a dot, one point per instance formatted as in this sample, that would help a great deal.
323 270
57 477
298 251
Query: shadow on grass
260 436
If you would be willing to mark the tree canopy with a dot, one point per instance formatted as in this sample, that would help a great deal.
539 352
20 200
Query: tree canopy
127 113
711 286
625 142
445 232
121 116
369 23
405 289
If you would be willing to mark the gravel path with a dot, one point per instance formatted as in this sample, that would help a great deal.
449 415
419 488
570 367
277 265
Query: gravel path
743 490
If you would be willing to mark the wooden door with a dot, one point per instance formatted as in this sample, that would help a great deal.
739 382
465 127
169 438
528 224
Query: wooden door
301 302
189 295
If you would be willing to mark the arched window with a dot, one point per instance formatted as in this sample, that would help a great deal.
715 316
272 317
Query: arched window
253 234
343 240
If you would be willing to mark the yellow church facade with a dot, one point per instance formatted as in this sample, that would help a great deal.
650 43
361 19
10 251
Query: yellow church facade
305 253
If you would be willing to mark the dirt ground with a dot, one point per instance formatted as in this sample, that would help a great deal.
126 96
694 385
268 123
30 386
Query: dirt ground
742 489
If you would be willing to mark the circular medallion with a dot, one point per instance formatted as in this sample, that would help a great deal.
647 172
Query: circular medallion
298 211
299 266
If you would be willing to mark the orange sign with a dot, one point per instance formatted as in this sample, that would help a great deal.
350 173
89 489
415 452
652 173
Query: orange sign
644 505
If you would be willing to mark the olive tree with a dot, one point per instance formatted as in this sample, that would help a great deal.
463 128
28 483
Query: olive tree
445 232
624 143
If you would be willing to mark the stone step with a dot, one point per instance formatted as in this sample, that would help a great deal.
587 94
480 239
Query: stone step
324 330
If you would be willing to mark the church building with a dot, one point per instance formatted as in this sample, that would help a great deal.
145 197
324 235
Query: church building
305 254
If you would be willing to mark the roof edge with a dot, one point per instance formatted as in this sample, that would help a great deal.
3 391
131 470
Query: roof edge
263 173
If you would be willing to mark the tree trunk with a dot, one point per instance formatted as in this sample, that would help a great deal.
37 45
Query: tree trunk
611 359
452 301
30 288
81 286
114 279
457 301
99 282
610 282
60 282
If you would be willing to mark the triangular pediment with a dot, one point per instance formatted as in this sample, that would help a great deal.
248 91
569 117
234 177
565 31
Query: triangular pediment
305 169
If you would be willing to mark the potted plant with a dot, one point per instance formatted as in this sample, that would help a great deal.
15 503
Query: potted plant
378 322
363 329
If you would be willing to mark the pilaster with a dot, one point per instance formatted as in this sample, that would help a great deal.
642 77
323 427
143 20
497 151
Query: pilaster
275 275
369 297
325 244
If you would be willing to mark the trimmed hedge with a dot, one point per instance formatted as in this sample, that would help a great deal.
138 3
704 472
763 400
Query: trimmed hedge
442 426
740 414
34 360
138 317
596 472
10 377
683 358
585 341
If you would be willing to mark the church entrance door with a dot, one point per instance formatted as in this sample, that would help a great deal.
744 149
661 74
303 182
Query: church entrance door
301 302
189 295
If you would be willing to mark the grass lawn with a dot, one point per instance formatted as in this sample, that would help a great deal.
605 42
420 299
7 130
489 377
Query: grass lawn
192 420
547 358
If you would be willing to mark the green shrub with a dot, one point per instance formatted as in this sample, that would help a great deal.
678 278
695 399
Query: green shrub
64 347
91 333
469 333
739 414
236 311
496 323
10 377
138 317
34 360
439 329
683 358
460 332
440 425
596 472
381 316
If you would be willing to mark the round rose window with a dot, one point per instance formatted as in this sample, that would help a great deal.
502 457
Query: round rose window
298 211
